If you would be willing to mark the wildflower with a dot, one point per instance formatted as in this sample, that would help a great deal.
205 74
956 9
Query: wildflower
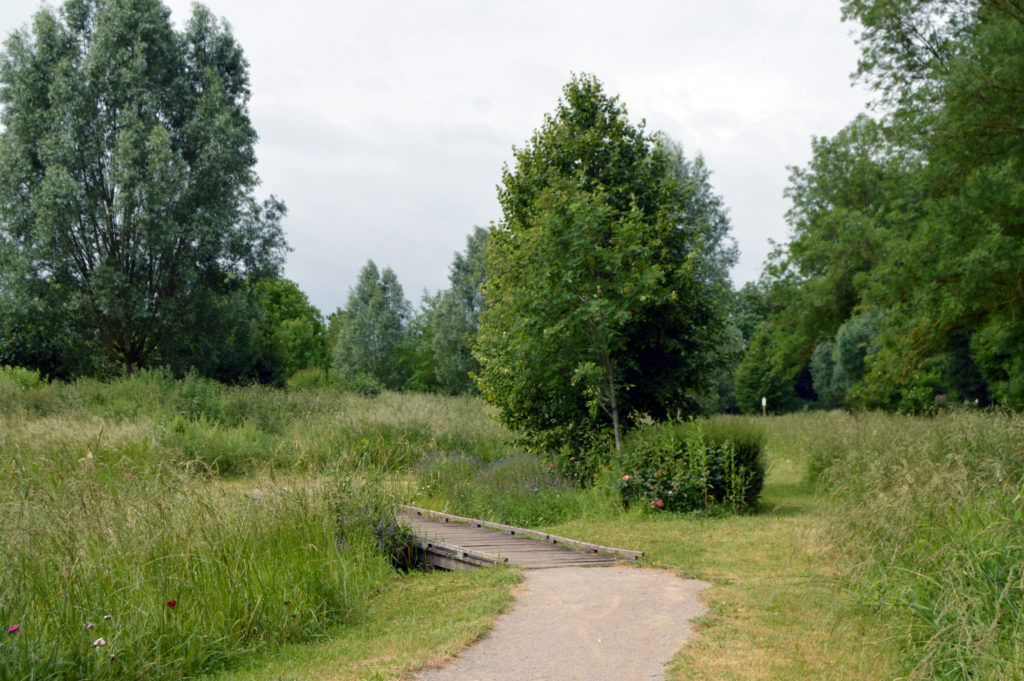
625 478
171 603
99 643
658 503
89 625
107 617
13 629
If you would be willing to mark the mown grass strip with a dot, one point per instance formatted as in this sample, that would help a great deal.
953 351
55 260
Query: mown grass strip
417 620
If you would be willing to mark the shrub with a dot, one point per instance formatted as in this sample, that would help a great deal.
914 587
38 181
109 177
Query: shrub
700 466
307 379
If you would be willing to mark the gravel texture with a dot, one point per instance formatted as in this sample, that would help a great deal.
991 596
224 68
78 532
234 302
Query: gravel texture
592 624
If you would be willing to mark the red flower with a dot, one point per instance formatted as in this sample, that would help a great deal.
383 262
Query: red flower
171 603
658 503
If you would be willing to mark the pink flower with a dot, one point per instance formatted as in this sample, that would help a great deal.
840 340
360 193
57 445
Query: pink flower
99 643
625 478
13 629
89 625
658 503
171 603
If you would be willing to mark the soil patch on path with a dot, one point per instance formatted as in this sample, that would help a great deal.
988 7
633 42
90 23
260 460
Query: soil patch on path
586 624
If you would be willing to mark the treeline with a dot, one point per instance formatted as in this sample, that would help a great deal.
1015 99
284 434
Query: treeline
379 341
902 286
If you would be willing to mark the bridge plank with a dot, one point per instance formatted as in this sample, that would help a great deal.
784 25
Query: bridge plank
447 539
520 531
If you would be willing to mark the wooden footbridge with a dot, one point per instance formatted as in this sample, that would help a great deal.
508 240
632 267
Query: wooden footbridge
455 543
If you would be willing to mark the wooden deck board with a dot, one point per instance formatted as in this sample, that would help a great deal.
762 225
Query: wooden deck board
506 543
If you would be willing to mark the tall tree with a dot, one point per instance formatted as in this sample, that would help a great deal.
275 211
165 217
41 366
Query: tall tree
457 316
598 310
373 327
951 74
126 176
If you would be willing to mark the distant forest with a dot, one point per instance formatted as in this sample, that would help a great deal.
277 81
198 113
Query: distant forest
130 238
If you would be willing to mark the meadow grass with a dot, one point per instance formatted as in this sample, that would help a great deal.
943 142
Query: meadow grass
234 430
928 516
114 570
417 620
126 556
884 546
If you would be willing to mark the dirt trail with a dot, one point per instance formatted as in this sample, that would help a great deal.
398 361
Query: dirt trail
586 624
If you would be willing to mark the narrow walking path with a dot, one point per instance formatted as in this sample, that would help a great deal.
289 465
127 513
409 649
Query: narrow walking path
584 624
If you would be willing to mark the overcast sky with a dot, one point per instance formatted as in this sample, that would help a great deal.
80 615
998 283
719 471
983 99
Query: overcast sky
384 125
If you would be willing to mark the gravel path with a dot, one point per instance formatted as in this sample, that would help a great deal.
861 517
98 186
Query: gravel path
586 624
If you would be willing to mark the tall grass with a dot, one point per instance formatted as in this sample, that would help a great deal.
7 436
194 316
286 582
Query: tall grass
930 514
518 489
125 555
236 430
116 570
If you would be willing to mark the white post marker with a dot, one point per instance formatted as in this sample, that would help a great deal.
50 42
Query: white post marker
764 406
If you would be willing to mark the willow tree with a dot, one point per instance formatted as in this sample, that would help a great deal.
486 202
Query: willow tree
126 177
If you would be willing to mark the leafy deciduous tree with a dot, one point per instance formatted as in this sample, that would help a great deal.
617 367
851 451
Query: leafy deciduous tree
598 307
457 316
126 171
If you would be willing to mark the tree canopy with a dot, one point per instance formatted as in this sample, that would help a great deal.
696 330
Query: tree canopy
600 304
912 219
126 179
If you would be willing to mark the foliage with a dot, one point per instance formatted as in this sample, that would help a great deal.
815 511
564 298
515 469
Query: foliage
599 305
822 369
760 375
373 326
293 328
916 215
416 351
700 466
126 172
457 317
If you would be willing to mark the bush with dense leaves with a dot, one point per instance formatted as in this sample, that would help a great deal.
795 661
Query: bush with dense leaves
699 466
